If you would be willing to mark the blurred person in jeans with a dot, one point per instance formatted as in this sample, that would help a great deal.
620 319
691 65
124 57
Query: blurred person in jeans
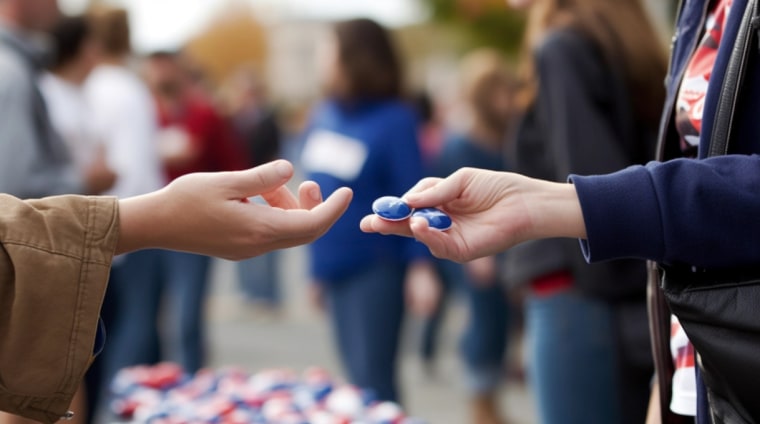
364 136
124 115
488 90
256 123
193 138
591 95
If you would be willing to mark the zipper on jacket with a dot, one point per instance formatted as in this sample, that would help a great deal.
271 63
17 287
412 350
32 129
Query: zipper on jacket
660 152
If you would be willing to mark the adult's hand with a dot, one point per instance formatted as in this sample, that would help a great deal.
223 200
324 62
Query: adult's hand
208 213
491 211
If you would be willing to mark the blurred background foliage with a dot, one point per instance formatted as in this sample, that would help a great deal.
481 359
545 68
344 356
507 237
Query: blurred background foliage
480 22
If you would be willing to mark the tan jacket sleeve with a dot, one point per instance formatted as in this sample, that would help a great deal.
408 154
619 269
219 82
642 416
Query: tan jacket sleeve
55 256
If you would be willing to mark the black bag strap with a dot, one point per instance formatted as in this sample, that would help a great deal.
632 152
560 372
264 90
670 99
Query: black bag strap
732 82
659 311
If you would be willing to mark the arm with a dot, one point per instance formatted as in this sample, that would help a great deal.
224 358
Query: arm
204 213
54 264
697 212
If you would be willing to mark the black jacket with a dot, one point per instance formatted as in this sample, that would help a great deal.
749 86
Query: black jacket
582 122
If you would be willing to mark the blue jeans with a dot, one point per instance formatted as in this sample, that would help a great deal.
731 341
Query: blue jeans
484 340
366 311
186 278
260 278
130 313
573 364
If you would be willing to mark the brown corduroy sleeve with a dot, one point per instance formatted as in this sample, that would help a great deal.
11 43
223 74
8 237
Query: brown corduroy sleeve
55 256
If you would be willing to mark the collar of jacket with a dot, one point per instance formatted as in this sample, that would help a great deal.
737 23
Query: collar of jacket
34 48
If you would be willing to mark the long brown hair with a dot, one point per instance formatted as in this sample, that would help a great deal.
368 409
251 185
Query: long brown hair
625 35
369 61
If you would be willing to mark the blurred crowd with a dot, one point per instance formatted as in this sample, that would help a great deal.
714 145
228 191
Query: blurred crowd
81 113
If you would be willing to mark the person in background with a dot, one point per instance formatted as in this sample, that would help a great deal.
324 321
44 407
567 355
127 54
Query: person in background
193 138
364 136
77 52
256 122
488 90
123 113
592 88
34 162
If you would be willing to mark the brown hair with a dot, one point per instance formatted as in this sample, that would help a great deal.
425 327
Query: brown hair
367 57
625 35
484 73
111 28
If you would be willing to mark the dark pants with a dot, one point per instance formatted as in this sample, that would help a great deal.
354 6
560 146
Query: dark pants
186 290
130 313
484 341
366 311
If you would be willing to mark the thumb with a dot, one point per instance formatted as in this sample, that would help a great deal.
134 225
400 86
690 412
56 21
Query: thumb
261 179
434 192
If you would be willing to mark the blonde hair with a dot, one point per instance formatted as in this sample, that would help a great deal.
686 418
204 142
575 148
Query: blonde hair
623 32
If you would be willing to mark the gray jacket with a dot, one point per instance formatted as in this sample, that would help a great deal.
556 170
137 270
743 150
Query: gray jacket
33 159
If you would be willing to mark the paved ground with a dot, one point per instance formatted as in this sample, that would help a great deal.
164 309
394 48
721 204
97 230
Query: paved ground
299 338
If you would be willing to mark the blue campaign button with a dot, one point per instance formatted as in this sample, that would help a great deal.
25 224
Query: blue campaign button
436 218
391 208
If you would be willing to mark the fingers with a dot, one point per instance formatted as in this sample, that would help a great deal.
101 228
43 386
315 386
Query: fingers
281 198
435 192
309 195
423 184
439 242
259 180
373 224
325 214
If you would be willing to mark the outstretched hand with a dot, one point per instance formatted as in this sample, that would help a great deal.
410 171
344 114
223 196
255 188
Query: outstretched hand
207 213
491 211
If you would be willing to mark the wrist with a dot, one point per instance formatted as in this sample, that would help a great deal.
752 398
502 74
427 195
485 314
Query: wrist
140 223
555 211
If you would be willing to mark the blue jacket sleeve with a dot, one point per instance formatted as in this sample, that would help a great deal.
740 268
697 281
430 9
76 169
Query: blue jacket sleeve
702 213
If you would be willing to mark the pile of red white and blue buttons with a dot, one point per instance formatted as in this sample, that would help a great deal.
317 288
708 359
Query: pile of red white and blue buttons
164 394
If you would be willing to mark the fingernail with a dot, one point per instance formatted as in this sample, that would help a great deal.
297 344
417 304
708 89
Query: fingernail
315 195
283 168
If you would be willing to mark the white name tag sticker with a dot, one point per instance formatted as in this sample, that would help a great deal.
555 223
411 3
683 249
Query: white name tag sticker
334 154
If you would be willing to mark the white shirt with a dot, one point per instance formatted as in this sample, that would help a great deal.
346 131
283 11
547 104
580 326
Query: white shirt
71 117
125 115
684 400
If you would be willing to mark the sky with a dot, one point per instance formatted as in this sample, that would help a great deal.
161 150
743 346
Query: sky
166 24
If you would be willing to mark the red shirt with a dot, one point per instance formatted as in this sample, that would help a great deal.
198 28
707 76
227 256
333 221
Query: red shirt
691 96
212 137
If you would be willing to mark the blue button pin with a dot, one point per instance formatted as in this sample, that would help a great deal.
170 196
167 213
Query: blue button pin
391 208
436 218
